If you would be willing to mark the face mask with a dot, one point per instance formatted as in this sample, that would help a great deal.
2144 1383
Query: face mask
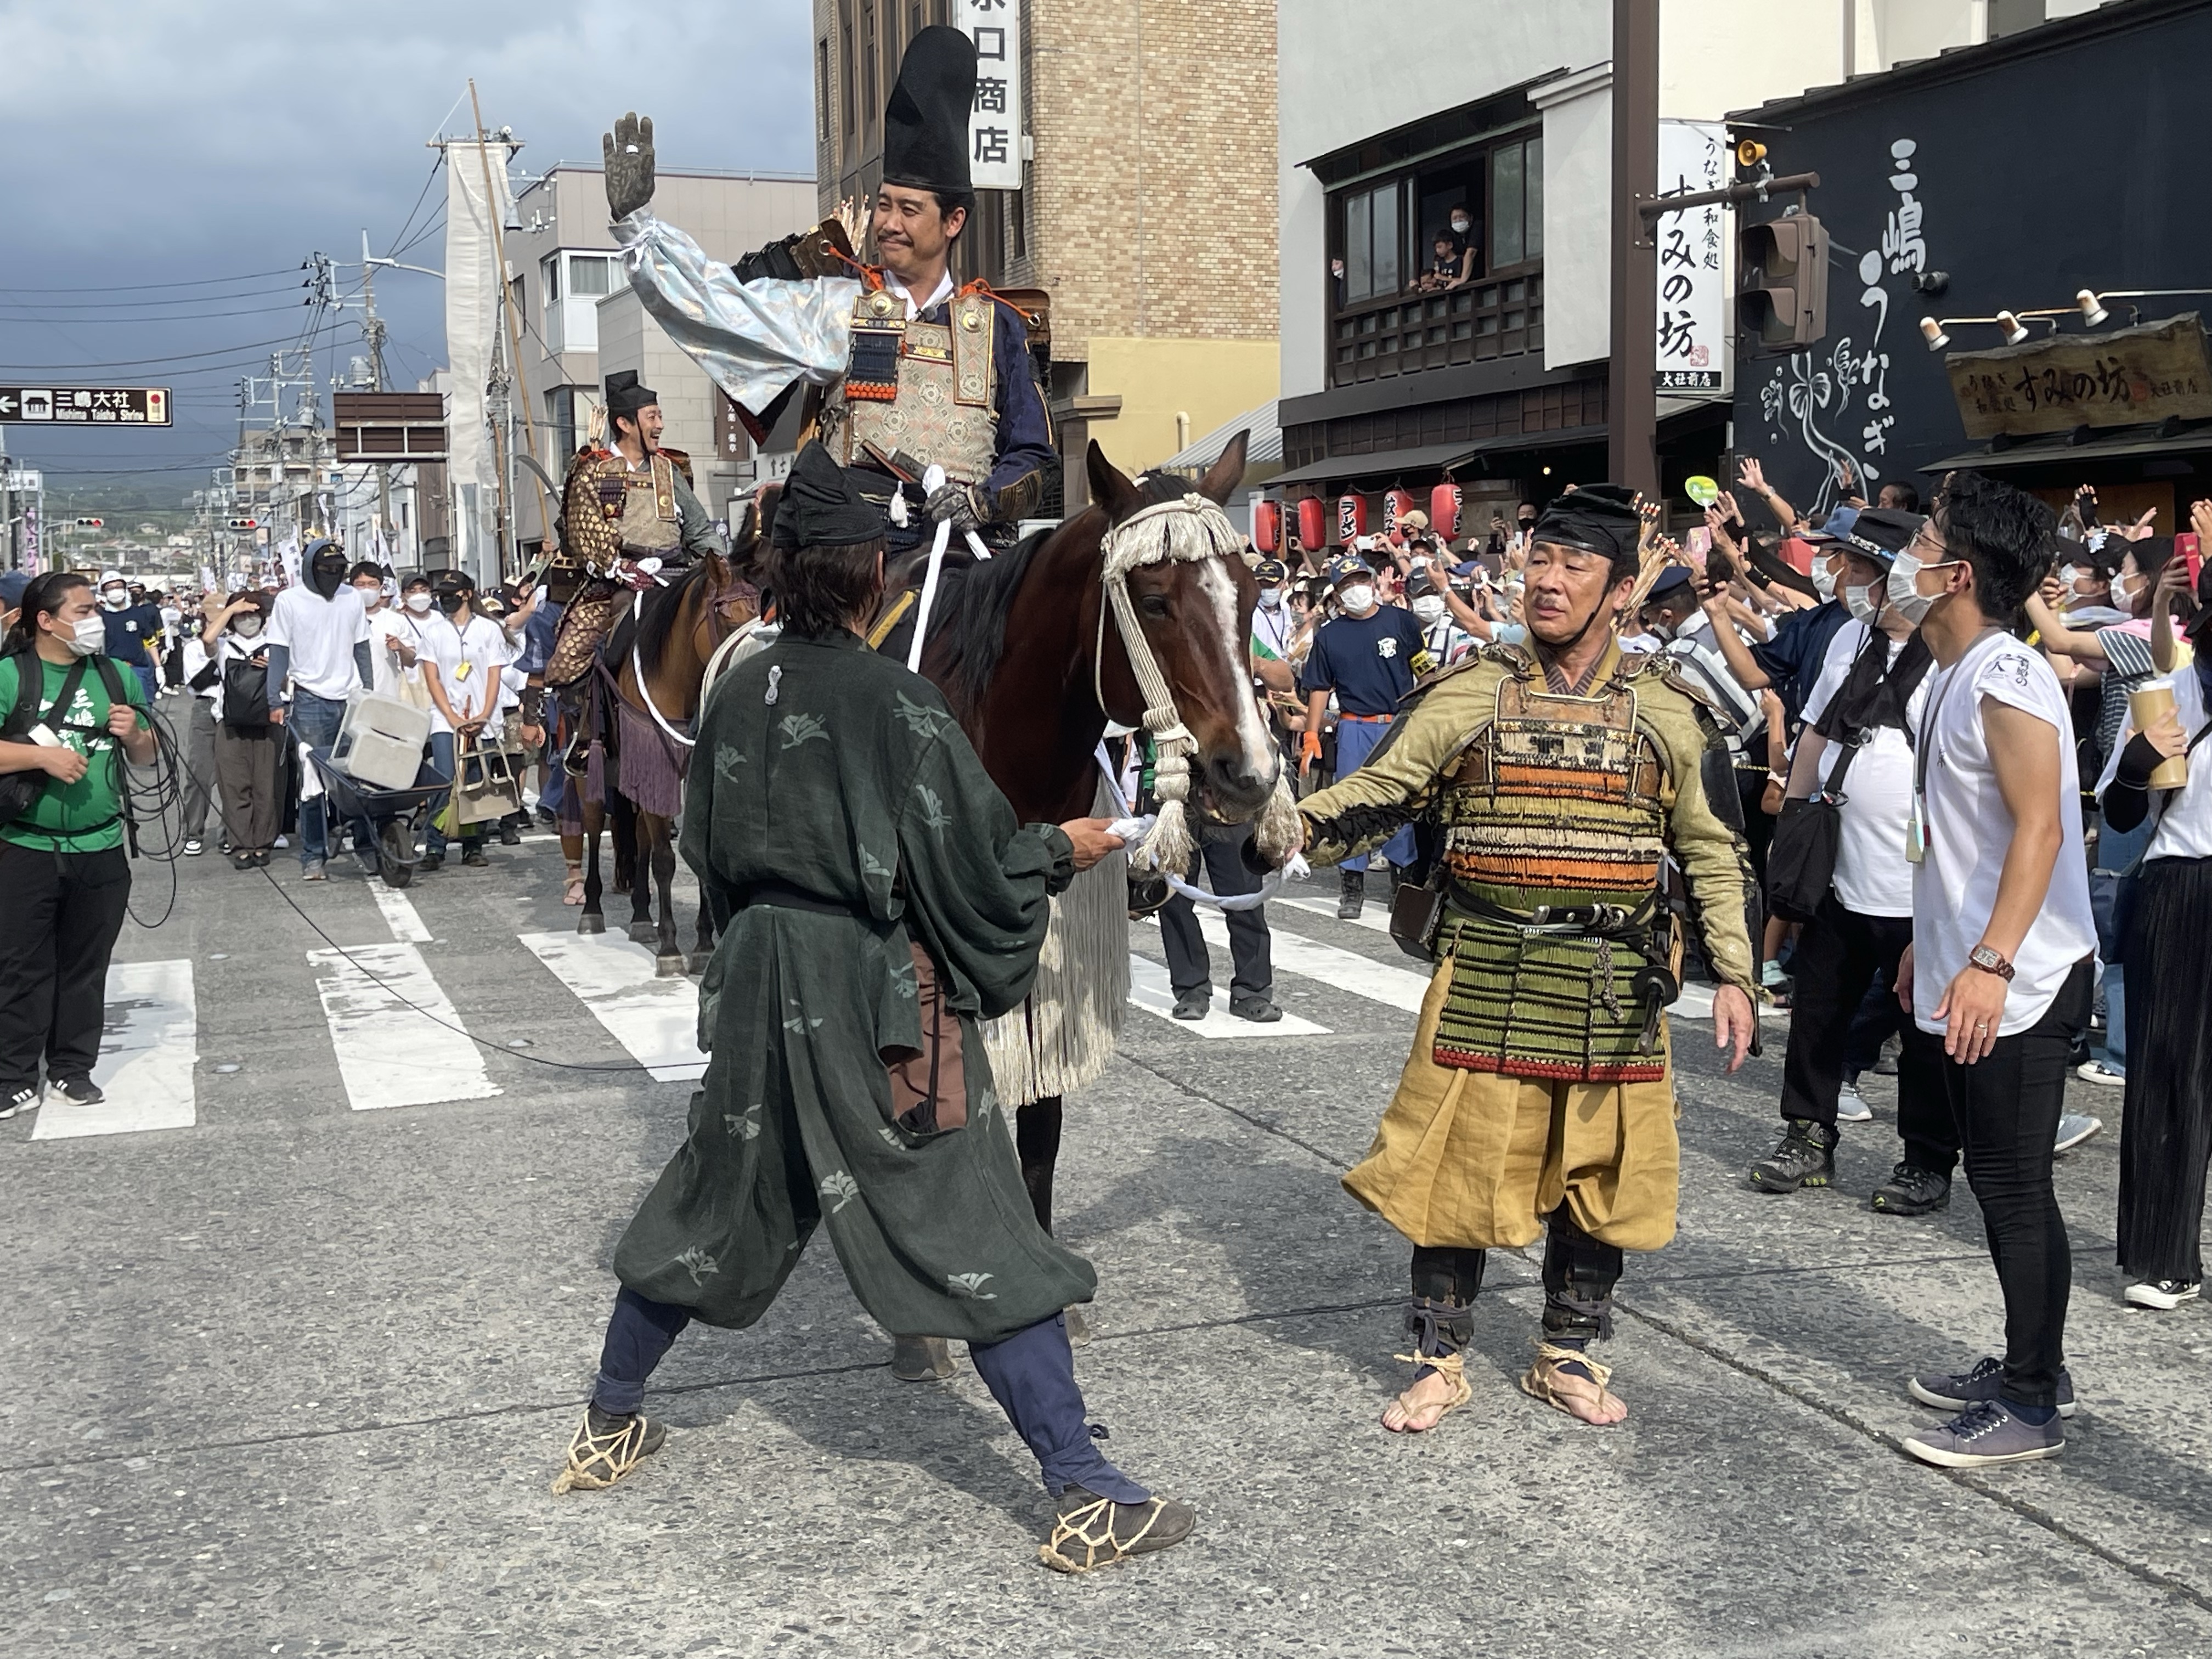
115 599
1460 225
1271 598
2123 600
1862 603
1358 598
246 627
370 597
1661 631
1429 608
1911 605
450 603
1823 579
88 636
419 604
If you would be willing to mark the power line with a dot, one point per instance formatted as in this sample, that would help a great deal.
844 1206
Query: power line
142 362
148 287
178 317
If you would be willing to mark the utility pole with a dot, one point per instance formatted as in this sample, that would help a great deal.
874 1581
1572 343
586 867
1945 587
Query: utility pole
521 380
1632 423
371 326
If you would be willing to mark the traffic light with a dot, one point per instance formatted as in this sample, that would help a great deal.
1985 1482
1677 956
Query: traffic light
87 524
1782 282
243 524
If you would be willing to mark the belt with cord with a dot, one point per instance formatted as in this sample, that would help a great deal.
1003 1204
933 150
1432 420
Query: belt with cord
782 895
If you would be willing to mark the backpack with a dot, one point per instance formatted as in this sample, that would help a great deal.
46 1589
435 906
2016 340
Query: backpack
18 790
246 694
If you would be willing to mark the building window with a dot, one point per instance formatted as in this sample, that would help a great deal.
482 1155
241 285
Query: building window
560 415
822 91
1373 241
588 276
870 102
550 266
1018 224
1517 203
847 69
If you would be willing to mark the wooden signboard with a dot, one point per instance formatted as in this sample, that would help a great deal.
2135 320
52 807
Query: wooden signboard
2126 377
390 426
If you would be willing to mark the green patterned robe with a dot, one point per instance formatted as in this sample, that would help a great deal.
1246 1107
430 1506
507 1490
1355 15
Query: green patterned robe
824 767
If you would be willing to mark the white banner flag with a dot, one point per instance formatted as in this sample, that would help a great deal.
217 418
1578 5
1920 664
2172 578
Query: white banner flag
473 282
995 125
1692 313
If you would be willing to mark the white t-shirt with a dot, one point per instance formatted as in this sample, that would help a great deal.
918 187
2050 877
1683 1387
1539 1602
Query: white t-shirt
1954 887
2184 824
465 658
1873 877
384 627
320 634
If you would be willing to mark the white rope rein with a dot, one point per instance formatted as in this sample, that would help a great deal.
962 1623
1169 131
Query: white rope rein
637 673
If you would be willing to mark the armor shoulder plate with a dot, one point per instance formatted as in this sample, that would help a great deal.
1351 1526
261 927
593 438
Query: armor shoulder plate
1493 655
1667 669
681 461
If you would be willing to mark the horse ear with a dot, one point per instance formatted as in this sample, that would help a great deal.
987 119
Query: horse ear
1109 487
1222 478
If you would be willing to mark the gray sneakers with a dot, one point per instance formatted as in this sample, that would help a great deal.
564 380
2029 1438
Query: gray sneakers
1955 1392
1986 1433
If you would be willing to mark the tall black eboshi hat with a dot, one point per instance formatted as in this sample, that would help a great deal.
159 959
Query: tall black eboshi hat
925 123
625 396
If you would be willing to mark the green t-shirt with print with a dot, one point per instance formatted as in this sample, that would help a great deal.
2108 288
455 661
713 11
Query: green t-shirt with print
86 816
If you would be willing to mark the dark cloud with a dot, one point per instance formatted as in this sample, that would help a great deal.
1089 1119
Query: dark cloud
180 142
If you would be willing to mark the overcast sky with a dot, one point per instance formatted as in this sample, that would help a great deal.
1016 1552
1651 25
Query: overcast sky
181 141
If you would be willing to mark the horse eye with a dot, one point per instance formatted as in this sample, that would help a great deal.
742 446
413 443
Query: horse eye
1153 605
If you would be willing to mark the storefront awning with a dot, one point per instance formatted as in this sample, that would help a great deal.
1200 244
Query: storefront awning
1415 466
2183 438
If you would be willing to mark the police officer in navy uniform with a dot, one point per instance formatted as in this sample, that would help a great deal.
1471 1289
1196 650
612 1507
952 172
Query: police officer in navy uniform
907 371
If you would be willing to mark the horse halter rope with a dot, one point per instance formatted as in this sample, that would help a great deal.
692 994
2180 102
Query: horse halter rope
1188 530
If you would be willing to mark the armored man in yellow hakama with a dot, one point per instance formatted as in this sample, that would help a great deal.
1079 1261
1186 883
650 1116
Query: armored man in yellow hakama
1569 818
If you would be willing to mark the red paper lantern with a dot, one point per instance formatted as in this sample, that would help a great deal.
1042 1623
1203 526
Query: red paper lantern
1267 526
1444 511
1313 523
1396 504
1350 517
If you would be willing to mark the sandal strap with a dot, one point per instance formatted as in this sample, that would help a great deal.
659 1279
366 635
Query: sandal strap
1092 1527
1452 1365
1550 1357
597 1461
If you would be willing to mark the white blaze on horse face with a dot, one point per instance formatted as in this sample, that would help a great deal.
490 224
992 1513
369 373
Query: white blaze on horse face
1260 757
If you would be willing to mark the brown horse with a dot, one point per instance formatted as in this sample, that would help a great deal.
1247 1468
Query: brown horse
670 638
1017 652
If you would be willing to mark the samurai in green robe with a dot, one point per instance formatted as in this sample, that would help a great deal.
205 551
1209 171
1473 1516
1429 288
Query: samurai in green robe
876 898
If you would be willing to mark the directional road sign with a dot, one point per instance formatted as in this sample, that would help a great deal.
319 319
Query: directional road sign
86 406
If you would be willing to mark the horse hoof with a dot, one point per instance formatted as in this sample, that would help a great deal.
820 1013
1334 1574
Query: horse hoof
644 933
921 1359
588 923
697 960
668 967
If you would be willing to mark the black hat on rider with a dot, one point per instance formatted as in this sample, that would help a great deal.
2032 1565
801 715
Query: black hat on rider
326 567
626 397
822 506
925 123
1599 518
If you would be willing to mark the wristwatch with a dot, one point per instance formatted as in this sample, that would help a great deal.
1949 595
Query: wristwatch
1990 961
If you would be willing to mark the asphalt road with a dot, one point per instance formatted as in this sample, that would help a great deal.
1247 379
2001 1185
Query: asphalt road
294 1345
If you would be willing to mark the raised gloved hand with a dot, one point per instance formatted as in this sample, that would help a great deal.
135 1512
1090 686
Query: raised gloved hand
628 152
955 504
1309 752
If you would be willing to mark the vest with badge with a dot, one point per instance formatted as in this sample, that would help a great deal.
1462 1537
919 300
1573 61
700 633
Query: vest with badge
1556 812
928 389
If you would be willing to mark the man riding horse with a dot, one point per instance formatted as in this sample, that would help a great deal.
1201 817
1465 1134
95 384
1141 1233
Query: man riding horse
901 373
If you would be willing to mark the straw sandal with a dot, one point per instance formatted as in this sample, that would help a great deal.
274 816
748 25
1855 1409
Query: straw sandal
574 894
1540 1380
1449 1366
605 1448
1094 1532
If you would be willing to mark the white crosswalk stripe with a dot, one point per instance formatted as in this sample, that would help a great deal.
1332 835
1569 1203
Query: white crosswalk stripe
147 1054
656 1019
398 911
388 1054
1344 970
1149 989
1375 915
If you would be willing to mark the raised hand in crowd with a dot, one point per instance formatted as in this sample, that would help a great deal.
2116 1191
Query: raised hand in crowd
2143 526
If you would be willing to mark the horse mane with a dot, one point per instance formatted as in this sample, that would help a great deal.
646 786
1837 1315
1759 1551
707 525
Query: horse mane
657 624
968 636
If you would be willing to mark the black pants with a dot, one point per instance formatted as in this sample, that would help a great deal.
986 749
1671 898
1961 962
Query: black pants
1839 956
2007 1106
1579 1274
2166 1128
60 914
1187 968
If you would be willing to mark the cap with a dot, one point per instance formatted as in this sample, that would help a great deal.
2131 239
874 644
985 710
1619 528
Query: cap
1270 571
1345 567
1882 532
114 576
822 507
12 584
1674 576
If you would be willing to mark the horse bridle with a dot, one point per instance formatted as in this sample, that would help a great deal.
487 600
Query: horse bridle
718 625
